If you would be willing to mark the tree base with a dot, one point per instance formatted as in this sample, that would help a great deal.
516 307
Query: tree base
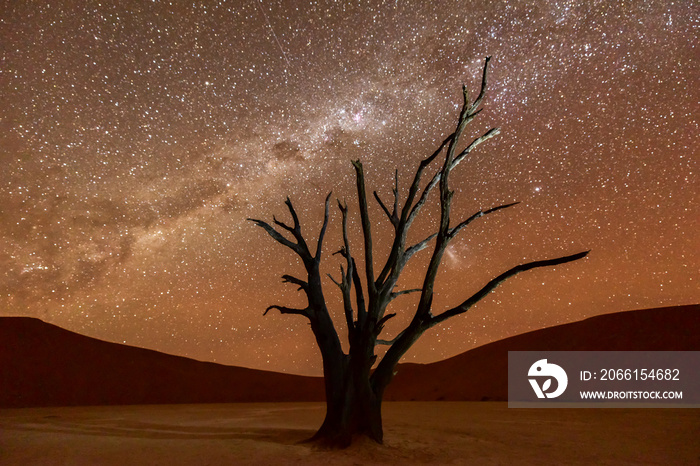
342 441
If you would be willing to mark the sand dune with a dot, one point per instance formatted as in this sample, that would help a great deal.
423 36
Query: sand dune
481 374
44 365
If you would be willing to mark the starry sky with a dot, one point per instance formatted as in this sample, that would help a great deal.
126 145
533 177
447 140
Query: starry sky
137 136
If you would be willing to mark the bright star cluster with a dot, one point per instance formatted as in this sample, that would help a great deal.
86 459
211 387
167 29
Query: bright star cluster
137 137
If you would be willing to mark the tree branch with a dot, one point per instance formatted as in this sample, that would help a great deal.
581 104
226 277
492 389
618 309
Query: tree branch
338 284
319 245
277 236
442 240
382 321
359 295
366 228
296 231
468 113
418 247
349 278
408 209
388 342
283 225
483 138
394 221
437 177
396 294
297 281
482 92
395 212
297 226
423 197
404 222
464 307
453 232
393 215
289 310
316 310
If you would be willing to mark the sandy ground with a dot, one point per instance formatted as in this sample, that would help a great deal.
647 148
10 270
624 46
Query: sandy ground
415 433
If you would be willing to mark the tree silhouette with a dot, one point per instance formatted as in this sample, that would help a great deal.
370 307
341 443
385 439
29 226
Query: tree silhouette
354 387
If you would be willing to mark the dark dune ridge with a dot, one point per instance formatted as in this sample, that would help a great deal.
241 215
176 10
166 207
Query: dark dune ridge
44 365
481 374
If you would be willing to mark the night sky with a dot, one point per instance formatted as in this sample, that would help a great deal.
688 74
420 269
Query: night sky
136 137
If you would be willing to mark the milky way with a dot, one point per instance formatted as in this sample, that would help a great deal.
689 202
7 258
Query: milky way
138 136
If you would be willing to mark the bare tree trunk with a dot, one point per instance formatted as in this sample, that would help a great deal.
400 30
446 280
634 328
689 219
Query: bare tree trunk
352 409
353 406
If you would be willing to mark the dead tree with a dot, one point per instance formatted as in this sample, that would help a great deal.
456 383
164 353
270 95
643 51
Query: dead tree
354 382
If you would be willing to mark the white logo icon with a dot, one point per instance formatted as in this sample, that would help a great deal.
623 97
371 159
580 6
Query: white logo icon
542 368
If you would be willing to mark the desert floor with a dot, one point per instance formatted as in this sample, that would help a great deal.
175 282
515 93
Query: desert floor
415 432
